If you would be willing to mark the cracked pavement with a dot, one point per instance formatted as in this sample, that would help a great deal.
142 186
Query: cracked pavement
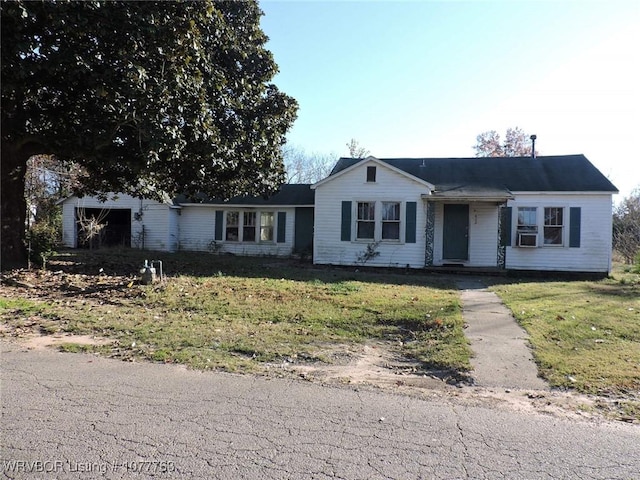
502 356
81 416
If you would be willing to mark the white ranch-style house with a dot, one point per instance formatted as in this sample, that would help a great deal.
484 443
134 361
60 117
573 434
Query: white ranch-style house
241 226
545 213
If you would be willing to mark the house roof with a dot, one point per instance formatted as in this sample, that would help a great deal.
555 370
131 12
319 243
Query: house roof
559 173
294 194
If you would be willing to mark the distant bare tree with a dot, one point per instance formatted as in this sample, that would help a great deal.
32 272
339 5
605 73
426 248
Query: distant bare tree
355 150
48 180
303 167
516 144
626 227
488 145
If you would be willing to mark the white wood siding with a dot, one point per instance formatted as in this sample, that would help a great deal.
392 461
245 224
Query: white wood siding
352 186
69 233
196 228
191 227
174 229
594 253
155 224
197 231
154 218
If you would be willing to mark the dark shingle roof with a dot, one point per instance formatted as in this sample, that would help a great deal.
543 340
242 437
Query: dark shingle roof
289 194
561 173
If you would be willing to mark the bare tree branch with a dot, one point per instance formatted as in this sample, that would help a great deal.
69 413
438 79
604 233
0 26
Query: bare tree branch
516 144
355 150
302 167
626 227
91 227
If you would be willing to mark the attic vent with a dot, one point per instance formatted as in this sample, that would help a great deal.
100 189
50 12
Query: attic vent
371 174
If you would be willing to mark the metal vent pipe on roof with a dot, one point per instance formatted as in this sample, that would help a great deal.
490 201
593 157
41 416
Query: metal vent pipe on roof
533 145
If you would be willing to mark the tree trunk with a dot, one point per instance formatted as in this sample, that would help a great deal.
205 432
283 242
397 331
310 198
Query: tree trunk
14 206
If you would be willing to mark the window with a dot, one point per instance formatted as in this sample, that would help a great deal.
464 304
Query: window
233 227
266 227
390 221
553 225
378 221
371 174
527 227
249 227
527 219
366 220
244 227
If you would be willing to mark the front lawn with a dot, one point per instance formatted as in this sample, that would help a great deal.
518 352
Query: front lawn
585 334
236 313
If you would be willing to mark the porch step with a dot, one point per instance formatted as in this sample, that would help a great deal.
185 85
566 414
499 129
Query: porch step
459 268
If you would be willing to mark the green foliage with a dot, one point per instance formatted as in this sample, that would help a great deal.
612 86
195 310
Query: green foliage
69 347
147 97
43 238
20 306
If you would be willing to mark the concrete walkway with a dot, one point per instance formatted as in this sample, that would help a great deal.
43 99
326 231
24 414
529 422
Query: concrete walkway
502 356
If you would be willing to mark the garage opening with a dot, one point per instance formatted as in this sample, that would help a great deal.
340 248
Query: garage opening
103 227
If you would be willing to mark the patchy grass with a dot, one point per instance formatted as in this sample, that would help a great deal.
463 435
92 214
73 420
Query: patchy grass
585 334
20 306
239 314
71 347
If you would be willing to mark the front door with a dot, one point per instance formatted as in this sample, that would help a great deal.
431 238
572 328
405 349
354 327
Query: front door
303 240
455 232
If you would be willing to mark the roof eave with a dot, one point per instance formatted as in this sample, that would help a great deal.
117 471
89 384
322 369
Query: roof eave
382 163
566 192
466 198
247 205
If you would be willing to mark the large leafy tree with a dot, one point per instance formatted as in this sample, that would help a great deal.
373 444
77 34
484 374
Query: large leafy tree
149 98
516 144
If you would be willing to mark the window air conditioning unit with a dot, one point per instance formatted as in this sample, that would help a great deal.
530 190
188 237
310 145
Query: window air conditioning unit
527 239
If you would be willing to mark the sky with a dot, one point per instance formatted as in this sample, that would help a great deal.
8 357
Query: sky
424 78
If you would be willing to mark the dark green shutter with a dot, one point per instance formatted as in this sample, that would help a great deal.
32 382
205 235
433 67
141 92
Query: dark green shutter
574 226
219 221
505 240
345 232
282 226
410 231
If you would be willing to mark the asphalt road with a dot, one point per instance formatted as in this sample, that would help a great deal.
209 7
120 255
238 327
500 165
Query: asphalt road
80 416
